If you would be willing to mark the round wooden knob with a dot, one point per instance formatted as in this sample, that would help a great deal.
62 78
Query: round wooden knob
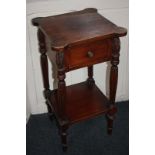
90 54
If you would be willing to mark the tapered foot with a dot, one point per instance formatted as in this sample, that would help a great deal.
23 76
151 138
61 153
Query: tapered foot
110 119
64 140
63 134
110 125
64 148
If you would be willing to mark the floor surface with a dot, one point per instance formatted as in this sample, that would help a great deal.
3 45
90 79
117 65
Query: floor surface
84 138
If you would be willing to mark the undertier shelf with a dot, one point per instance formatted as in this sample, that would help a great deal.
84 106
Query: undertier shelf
82 102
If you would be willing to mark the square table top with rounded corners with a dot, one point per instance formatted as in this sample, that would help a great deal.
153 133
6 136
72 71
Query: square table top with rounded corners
75 27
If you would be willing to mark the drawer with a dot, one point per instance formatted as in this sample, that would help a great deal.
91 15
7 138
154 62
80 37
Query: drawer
88 54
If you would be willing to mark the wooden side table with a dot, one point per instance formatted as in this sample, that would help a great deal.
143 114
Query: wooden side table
79 39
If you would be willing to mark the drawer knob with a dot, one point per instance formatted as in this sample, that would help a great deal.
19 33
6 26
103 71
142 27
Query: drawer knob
90 54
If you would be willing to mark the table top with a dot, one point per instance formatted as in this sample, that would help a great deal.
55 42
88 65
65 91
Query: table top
76 27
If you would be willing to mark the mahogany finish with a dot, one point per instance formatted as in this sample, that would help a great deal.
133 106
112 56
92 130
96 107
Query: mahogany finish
82 55
82 102
79 39
81 26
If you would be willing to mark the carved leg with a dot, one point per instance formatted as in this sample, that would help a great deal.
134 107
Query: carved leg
113 84
90 79
44 66
62 99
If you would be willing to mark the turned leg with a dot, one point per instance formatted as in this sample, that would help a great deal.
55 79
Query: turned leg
113 84
44 67
90 79
62 99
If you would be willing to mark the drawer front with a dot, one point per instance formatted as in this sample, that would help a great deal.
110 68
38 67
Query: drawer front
88 54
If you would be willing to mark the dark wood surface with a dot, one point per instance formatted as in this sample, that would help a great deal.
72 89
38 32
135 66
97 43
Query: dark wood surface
113 83
90 79
82 102
81 26
79 39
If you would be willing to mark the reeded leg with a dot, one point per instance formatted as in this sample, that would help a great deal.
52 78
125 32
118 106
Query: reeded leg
62 99
113 84
90 79
44 67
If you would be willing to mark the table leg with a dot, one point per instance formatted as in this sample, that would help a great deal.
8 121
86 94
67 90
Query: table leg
63 134
44 67
113 84
90 79
62 99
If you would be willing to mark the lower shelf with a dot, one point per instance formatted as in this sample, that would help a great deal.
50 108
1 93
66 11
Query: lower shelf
82 102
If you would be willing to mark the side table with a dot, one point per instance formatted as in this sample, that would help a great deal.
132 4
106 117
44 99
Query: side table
79 39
